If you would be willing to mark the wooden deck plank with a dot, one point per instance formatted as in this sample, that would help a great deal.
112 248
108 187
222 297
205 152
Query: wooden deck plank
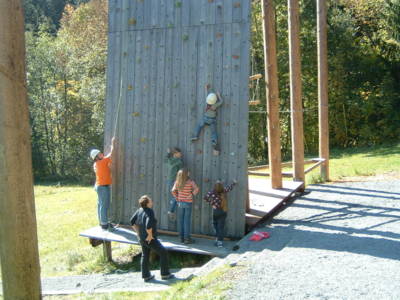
171 243
264 200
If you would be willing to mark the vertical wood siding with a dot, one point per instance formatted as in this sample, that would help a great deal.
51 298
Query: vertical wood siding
161 54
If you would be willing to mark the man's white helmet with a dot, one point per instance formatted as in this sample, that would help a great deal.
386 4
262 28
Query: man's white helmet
211 99
94 153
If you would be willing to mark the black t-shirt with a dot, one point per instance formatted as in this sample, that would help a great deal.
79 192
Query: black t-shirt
144 218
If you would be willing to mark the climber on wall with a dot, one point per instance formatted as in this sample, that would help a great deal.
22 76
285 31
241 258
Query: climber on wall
214 101
102 168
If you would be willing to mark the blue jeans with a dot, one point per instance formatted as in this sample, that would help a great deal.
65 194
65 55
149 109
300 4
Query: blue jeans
171 198
211 122
103 203
219 217
184 219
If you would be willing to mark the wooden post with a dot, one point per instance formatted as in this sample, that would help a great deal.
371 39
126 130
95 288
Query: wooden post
18 235
272 93
295 91
107 251
323 87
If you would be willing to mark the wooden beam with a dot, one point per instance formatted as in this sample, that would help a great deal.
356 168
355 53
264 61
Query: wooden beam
272 92
18 234
323 113
295 91
318 163
267 174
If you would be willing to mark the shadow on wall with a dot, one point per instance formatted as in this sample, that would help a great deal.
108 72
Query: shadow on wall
349 224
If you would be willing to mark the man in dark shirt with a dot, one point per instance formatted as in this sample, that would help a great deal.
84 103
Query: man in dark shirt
145 225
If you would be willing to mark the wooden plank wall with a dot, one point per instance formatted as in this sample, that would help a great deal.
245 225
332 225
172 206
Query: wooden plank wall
161 55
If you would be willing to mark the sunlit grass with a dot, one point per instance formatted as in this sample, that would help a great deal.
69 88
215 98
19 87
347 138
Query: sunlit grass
357 163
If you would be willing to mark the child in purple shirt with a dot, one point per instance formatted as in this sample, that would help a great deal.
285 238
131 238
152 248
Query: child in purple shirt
219 202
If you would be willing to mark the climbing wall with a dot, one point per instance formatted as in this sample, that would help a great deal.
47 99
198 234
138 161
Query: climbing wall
161 54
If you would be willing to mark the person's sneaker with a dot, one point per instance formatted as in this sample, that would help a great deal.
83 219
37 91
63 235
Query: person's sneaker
110 227
189 241
147 279
166 277
104 227
220 244
194 138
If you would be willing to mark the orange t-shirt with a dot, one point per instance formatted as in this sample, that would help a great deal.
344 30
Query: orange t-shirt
102 168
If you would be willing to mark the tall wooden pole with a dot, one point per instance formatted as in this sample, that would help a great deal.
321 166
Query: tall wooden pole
295 91
272 92
323 87
18 237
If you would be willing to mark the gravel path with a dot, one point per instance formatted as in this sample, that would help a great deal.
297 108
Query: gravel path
341 241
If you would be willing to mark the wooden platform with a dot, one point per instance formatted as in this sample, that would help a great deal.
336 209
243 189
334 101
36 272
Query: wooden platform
264 200
171 243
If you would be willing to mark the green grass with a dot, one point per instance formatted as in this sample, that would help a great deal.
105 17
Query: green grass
356 163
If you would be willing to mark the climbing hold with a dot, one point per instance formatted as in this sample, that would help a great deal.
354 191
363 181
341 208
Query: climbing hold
178 4
139 60
232 153
143 140
206 180
136 114
236 4
141 175
185 37
146 46
235 56
227 123
130 87
125 54
210 1
199 151
219 35
132 21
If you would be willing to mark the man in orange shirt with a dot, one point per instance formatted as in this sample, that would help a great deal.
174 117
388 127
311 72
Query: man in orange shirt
102 168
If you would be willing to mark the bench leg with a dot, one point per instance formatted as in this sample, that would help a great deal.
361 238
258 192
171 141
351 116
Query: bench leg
107 250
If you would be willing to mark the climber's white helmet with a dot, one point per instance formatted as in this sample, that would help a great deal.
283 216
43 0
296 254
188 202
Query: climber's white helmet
211 99
94 153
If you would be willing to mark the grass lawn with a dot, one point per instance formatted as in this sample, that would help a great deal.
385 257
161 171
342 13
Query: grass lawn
358 164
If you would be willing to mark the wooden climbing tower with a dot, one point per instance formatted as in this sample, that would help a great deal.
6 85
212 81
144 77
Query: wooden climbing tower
161 56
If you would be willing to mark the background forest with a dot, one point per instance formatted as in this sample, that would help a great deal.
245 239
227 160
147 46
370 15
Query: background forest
66 65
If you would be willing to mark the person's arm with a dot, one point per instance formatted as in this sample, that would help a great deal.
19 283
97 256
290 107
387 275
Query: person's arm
208 196
136 229
229 188
174 191
149 226
220 100
168 156
195 188
149 237
112 147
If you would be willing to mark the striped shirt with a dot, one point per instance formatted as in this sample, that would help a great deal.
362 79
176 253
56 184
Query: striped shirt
185 194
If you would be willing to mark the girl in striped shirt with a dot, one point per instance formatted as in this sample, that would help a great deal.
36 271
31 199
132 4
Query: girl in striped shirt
183 190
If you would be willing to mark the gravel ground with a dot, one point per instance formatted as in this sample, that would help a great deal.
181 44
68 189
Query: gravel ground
341 241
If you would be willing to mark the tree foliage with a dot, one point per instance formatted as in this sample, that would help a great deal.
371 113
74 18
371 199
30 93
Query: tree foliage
66 82
364 90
